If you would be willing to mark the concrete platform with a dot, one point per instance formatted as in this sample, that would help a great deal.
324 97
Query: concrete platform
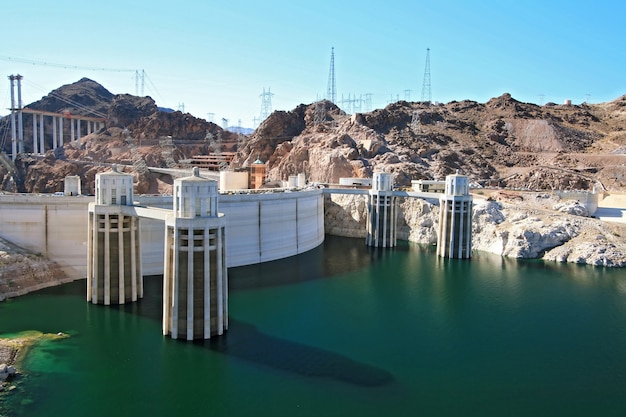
612 208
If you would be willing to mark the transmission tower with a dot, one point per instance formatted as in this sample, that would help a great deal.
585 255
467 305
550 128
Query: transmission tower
368 102
416 125
320 113
331 90
426 84
266 103
140 76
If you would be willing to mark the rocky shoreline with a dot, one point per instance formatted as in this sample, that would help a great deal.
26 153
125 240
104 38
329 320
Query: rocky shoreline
22 271
516 225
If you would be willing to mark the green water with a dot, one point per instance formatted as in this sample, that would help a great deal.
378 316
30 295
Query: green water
343 330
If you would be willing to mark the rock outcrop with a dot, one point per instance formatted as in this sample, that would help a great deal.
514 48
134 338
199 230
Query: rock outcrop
22 272
503 228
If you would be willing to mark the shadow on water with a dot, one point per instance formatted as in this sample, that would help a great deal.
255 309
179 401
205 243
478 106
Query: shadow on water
244 341
336 256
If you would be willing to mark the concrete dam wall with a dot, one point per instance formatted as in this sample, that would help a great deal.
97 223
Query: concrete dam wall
259 227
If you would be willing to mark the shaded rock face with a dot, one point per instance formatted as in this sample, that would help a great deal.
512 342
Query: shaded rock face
84 97
125 109
175 124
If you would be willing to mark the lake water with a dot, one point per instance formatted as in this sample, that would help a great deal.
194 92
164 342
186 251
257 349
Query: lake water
343 330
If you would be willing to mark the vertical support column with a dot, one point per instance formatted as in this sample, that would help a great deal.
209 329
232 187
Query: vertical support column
175 287
13 121
121 276
107 257
190 281
90 253
78 132
42 142
220 295
20 125
72 138
60 144
207 283
223 273
168 270
35 134
133 258
54 132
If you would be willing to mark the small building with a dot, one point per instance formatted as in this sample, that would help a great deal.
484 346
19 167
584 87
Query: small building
233 180
355 182
428 186
258 174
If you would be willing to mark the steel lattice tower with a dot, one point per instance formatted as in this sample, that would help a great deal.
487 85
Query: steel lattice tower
331 90
426 84
266 103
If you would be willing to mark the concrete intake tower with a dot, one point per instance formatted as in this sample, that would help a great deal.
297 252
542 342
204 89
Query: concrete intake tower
195 280
454 239
114 256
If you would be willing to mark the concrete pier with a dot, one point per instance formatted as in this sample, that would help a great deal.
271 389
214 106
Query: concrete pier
382 212
195 280
454 239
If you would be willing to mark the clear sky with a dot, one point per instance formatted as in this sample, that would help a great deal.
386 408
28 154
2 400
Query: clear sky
217 57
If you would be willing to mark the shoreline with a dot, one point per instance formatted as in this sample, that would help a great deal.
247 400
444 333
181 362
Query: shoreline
15 347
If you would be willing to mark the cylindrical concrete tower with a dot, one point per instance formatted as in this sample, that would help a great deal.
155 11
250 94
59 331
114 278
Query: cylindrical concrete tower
195 280
455 219
382 212
114 255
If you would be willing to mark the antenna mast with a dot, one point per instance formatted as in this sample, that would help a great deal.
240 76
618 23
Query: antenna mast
331 90
426 84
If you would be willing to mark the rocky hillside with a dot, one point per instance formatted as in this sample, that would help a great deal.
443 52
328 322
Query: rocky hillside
501 142
137 134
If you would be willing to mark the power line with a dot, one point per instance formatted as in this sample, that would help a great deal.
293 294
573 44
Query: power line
65 66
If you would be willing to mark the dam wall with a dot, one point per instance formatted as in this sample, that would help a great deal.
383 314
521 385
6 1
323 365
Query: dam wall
260 227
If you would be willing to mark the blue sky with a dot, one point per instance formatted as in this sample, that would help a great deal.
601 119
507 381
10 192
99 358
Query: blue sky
217 57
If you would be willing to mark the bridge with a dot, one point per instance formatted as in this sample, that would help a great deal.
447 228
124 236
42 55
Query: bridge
77 125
